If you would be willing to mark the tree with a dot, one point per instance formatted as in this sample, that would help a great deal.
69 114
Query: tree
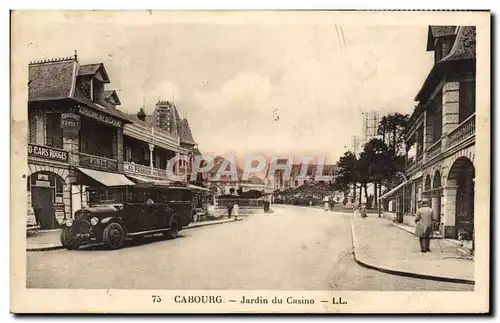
393 128
231 190
239 191
347 173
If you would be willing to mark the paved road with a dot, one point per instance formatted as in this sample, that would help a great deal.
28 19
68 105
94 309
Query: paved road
294 248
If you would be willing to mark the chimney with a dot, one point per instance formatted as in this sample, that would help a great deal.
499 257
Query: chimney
141 115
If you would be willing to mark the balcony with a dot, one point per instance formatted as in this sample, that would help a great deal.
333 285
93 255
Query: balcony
463 131
434 150
138 169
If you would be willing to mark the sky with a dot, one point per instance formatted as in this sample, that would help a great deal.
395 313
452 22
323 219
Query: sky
227 78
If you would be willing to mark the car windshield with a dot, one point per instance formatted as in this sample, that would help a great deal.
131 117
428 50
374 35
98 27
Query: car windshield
105 196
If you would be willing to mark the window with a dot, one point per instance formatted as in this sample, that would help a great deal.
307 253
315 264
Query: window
128 154
438 51
96 139
467 100
97 88
32 128
53 132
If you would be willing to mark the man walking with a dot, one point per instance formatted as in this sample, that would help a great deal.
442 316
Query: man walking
423 229
229 209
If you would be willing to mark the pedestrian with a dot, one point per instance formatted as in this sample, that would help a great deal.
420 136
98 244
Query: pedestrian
362 211
310 203
327 206
423 228
236 210
229 209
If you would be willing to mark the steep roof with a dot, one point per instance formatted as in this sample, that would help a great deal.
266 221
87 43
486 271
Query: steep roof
185 133
56 79
92 69
437 32
51 80
461 58
464 46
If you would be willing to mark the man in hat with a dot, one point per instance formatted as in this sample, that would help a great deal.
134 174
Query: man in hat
423 229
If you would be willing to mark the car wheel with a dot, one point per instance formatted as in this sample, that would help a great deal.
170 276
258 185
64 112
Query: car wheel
113 236
67 241
174 230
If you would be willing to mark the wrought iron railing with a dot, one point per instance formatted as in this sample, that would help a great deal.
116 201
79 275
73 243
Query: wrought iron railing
138 169
434 150
463 131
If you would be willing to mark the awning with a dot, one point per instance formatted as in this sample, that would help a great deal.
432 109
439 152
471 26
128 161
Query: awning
146 180
199 188
392 191
105 178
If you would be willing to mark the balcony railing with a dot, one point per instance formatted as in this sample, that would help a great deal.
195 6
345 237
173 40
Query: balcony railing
434 150
419 160
143 170
464 130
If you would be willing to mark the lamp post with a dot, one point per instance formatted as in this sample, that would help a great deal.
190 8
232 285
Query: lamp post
400 220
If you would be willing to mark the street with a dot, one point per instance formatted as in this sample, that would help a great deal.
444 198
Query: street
294 248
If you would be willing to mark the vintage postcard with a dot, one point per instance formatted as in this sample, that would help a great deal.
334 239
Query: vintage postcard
250 162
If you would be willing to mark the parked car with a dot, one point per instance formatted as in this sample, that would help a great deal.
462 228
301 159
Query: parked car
117 214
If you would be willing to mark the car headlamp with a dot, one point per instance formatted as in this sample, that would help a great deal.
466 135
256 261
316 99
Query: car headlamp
69 222
94 221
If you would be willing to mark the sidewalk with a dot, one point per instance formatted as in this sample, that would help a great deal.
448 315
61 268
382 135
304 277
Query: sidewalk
379 245
49 240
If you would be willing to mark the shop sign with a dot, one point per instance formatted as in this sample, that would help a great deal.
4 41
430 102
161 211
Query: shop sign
47 152
100 163
70 120
99 116
59 213
42 183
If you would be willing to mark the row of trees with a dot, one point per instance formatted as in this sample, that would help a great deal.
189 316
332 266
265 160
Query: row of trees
379 162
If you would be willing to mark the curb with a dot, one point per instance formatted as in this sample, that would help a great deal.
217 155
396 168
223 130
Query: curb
48 248
56 247
400 272
208 224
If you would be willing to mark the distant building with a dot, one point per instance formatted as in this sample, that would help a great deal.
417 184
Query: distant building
371 120
355 145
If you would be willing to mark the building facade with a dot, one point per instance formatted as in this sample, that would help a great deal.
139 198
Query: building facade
75 136
442 134
79 139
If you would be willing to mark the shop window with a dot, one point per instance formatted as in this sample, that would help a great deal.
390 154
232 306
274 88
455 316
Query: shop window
53 130
467 100
96 139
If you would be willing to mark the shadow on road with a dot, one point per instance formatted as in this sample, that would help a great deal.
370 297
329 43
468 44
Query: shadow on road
130 243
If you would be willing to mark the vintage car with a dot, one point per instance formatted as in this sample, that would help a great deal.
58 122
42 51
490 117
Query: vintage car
120 213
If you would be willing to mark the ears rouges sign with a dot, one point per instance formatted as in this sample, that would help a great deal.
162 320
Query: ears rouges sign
47 153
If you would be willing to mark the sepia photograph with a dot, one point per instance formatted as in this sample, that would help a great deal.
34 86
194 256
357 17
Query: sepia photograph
250 162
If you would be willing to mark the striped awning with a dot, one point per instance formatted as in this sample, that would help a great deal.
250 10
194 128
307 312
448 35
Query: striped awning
394 190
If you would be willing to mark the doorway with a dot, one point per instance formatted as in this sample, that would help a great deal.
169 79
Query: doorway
46 190
42 200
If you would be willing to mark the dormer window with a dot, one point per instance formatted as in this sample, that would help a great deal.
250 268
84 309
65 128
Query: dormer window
97 88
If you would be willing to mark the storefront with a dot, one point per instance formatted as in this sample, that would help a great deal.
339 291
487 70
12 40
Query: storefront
46 190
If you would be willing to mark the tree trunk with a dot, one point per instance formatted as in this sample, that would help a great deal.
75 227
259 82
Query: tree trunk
375 195
383 136
366 191
360 192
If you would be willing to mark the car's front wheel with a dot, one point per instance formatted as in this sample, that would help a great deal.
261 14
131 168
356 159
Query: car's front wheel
67 241
113 236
